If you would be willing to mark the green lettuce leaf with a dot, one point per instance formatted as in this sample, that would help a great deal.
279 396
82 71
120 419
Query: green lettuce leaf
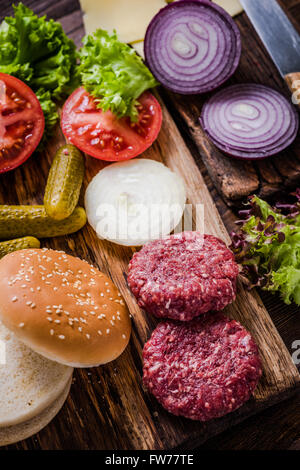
37 51
267 247
113 73
50 112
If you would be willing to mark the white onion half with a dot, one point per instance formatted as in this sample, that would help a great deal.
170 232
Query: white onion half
133 202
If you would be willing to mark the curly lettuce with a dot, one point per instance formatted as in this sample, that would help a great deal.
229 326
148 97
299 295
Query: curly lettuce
267 247
37 51
113 73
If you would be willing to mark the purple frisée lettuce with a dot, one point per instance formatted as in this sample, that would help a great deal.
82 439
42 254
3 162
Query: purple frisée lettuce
267 246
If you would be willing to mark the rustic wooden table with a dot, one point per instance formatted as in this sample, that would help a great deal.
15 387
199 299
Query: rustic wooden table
278 427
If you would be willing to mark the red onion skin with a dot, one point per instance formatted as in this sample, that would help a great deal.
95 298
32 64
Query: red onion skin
237 53
247 154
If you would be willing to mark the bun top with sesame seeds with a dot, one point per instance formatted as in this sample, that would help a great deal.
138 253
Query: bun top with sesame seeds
62 307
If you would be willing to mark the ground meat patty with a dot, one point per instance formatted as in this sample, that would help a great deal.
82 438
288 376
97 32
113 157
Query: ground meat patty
203 369
183 275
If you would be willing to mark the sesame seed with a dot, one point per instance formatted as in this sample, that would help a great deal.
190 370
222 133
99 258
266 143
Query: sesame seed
57 321
61 336
107 331
21 325
51 332
99 332
88 336
124 336
49 319
14 299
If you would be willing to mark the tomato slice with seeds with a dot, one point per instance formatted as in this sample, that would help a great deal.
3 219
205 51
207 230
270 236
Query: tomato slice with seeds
102 135
21 122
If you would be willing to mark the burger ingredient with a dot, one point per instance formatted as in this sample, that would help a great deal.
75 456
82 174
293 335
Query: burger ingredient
129 19
250 121
64 182
183 276
104 136
192 46
130 203
38 52
63 308
29 383
19 432
18 244
233 7
22 221
114 74
201 369
21 122
267 246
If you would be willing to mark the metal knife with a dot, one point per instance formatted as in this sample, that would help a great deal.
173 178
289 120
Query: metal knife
280 38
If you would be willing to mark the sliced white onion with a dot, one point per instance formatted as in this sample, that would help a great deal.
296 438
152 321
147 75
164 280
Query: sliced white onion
133 202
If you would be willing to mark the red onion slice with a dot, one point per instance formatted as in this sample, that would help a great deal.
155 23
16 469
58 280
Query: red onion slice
192 46
250 121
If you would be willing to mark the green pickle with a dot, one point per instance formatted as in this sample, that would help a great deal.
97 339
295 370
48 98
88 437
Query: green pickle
22 221
18 244
64 182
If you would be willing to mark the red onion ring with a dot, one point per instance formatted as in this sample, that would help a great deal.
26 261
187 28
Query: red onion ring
250 121
192 46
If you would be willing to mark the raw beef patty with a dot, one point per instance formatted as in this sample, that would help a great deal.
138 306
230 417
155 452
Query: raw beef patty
183 276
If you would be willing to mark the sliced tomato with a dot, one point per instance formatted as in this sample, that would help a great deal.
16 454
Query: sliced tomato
102 135
21 122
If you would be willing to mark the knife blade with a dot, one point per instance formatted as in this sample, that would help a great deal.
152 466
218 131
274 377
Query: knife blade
280 38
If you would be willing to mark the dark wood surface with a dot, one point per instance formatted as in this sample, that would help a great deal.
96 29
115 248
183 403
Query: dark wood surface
277 427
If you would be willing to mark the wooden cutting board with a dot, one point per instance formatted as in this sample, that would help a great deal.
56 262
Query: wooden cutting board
236 179
108 407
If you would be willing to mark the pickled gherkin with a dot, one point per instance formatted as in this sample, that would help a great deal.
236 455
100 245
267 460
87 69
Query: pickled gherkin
22 221
18 244
64 182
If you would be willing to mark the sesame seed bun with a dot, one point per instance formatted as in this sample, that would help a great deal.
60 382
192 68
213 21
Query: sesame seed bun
21 431
63 308
32 389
